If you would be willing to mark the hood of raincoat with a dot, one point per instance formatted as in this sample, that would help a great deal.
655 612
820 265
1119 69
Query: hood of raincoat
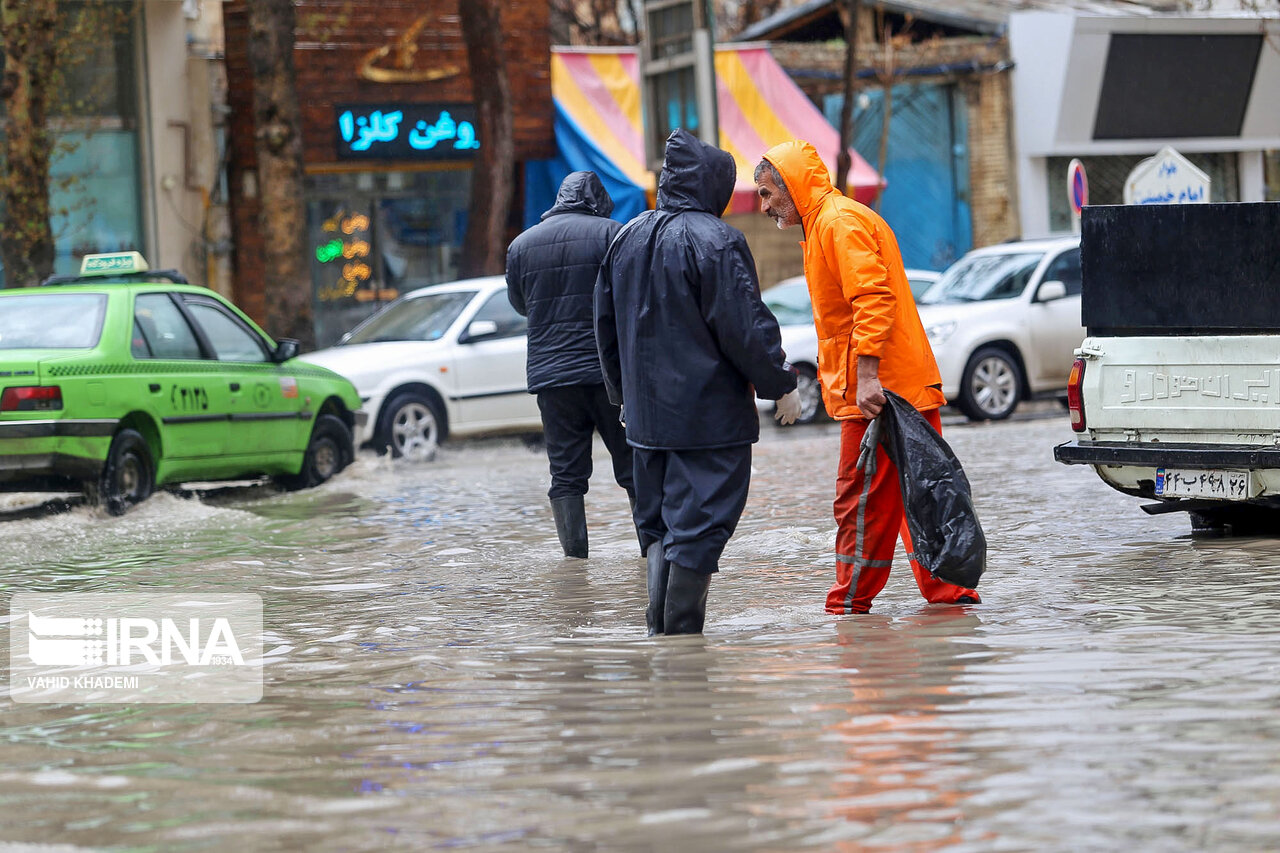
581 192
695 175
803 172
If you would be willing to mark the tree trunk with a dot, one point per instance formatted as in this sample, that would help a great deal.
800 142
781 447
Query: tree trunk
278 145
29 30
849 22
484 249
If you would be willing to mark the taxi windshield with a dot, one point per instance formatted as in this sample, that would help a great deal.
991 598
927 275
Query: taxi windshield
51 320
983 277
421 318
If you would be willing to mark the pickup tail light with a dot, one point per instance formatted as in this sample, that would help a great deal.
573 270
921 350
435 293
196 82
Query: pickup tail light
31 398
1075 400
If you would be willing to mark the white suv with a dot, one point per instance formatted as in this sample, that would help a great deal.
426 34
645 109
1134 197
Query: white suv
1004 322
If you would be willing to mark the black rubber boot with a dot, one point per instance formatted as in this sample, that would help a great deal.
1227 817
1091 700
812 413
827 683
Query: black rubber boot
686 601
658 570
571 525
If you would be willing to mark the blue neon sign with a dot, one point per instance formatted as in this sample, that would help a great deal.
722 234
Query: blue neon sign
406 132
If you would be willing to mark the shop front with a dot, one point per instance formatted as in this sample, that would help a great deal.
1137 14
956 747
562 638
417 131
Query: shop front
390 136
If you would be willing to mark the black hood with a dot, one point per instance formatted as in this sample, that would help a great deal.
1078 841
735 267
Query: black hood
695 175
582 192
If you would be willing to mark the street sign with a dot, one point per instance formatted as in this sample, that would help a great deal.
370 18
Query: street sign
1077 186
1166 178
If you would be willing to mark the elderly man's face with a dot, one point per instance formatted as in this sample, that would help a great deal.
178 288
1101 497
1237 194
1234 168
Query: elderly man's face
776 203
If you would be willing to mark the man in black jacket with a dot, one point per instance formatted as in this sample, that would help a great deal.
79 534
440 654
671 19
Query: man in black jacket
551 273
683 337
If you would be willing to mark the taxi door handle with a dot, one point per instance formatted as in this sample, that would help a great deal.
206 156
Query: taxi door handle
235 386
154 387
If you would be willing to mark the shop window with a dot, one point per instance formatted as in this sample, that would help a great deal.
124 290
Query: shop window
377 235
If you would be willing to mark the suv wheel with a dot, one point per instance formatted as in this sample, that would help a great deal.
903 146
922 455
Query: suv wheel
991 386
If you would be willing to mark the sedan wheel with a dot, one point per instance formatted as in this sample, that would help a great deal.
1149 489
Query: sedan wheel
991 387
412 427
810 389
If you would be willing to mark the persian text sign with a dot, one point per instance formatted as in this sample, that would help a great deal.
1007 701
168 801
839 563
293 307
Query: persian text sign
406 132
1166 178
135 647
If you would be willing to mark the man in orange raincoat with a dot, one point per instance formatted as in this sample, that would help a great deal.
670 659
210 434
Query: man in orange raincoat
869 338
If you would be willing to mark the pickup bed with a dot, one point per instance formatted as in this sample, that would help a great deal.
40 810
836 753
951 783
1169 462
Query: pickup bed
1175 391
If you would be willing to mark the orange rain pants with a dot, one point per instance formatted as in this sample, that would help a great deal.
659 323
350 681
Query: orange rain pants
869 520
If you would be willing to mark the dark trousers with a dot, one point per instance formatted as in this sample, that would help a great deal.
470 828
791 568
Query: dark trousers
690 501
570 416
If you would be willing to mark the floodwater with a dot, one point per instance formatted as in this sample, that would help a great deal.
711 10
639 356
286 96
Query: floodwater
439 678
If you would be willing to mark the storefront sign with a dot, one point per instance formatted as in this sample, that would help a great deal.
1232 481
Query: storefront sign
406 132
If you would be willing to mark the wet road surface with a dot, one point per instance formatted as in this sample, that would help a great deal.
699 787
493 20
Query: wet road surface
438 677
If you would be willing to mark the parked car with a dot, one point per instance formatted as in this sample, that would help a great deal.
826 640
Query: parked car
1003 322
446 360
119 380
789 302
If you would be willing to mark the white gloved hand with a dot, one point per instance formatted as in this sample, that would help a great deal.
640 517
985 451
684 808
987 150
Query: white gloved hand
788 408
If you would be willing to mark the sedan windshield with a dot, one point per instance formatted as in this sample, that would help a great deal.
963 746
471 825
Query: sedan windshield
421 318
984 277
51 320
790 304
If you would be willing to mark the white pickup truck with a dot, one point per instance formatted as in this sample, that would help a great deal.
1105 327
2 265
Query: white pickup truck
1175 391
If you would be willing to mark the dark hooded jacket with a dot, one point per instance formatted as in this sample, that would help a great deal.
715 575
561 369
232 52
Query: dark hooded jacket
551 273
682 331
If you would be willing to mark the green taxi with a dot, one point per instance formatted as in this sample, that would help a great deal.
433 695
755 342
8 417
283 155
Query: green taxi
119 380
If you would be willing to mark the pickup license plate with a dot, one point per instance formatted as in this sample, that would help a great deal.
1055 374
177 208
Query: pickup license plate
1185 483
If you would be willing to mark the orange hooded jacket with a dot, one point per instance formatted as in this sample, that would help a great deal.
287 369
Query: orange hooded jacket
862 303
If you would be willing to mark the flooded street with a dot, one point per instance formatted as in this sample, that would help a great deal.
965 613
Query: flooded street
438 677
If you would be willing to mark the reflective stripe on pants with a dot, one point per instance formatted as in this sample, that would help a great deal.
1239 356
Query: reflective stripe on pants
869 521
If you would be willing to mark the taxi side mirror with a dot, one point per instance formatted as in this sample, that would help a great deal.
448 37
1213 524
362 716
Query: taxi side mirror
1051 290
286 349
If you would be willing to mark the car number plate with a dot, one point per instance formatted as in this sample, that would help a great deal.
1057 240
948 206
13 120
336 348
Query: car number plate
1186 483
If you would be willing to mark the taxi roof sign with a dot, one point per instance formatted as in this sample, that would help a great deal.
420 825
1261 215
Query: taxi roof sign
113 263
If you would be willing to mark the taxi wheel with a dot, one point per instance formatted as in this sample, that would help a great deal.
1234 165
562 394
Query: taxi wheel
411 427
329 451
129 477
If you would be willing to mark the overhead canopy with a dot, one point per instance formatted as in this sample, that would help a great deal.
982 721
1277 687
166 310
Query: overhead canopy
597 98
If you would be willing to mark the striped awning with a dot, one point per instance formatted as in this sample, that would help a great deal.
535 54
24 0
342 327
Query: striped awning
598 92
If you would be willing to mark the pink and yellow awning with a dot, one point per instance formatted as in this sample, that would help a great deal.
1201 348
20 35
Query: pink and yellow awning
759 106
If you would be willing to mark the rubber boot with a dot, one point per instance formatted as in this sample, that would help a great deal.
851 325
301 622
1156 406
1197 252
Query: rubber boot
658 570
686 601
571 525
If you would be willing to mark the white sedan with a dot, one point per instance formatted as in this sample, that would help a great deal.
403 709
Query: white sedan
446 360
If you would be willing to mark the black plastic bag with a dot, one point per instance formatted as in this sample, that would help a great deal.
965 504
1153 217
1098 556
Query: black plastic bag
947 539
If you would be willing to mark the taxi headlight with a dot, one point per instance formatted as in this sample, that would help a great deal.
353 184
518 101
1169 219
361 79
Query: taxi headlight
938 333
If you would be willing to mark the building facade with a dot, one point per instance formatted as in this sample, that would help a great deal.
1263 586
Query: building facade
1112 90
136 122
389 137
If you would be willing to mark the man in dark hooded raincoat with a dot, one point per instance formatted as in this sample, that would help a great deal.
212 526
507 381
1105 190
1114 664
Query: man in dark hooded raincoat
683 337
551 275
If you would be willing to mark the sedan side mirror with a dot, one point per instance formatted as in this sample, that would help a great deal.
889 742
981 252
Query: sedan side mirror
478 329
286 349
1051 290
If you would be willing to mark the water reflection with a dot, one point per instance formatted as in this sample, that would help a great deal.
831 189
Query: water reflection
438 676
